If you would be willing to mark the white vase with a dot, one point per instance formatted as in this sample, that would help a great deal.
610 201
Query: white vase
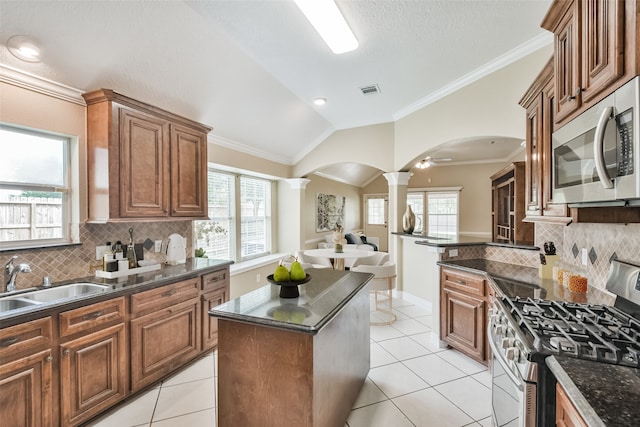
408 221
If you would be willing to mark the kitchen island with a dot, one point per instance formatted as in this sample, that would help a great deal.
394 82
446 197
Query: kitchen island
294 361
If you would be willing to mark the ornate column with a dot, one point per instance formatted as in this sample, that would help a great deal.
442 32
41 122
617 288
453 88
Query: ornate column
291 214
398 183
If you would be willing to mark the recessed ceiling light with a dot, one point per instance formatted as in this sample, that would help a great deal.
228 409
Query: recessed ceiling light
23 48
320 101
326 18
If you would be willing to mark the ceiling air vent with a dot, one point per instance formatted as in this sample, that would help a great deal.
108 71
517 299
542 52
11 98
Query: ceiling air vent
370 90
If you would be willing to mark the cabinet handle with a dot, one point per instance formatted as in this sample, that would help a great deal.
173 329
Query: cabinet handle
49 359
169 293
93 316
66 352
9 341
215 279
460 282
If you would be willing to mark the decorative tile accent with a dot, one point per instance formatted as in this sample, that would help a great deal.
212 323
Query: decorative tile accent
592 255
574 250
148 244
75 261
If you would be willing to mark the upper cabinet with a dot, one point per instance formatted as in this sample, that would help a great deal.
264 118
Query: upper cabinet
594 51
143 162
540 101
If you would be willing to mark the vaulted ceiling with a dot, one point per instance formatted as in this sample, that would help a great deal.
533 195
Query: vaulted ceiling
251 69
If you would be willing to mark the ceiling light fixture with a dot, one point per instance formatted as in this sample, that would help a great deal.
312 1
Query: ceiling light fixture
326 18
423 164
320 101
23 48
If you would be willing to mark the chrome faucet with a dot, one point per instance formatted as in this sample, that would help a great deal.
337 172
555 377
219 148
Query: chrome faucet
10 273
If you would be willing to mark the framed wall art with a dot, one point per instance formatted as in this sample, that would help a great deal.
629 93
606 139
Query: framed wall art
329 211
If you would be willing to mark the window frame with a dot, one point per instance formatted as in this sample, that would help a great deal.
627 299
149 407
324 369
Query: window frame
70 204
425 203
235 212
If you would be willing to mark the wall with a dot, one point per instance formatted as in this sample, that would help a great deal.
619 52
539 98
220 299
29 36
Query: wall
353 210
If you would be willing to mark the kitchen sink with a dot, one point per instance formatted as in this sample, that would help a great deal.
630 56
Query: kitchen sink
8 304
64 291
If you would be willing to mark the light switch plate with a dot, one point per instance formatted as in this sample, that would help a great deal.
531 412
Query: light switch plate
158 247
100 250
453 252
585 256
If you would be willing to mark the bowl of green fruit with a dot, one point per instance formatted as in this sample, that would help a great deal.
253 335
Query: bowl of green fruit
289 278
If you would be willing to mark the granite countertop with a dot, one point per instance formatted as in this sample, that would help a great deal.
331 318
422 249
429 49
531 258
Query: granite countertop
445 241
128 284
604 394
320 299
513 280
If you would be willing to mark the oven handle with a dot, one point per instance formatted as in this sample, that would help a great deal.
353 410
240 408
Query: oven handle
500 358
598 148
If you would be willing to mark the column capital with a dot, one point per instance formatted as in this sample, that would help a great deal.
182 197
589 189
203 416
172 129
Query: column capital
297 183
398 178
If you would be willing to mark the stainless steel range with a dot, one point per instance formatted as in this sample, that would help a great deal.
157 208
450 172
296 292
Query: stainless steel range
523 331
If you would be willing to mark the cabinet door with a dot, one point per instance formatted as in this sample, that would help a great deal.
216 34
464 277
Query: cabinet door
567 65
26 398
566 414
188 172
93 374
209 323
533 166
162 341
144 165
602 45
463 325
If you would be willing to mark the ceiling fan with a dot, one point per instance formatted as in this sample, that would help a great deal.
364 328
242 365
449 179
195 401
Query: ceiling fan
430 161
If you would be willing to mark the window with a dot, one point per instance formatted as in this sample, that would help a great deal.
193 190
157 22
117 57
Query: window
441 208
35 207
376 210
443 212
239 225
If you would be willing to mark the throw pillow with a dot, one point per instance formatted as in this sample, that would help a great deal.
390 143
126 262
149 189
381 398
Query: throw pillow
351 239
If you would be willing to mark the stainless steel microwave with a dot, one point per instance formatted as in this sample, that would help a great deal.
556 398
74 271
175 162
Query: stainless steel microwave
596 156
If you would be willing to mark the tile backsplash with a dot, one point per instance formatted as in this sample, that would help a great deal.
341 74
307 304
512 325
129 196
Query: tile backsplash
74 261
601 242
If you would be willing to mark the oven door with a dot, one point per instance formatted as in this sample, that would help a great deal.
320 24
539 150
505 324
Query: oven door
513 400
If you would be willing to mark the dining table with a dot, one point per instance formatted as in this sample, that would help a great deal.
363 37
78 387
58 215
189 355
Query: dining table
339 257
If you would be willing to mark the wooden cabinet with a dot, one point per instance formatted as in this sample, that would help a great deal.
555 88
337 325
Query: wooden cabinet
168 335
143 162
26 372
215 291
93 360
508 206
539 102
463 311
594 47
566 413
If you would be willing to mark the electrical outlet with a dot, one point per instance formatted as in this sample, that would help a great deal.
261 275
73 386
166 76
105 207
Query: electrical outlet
100 250
453 252
585 256
158 245
258 278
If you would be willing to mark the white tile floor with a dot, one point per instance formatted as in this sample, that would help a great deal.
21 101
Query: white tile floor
411 383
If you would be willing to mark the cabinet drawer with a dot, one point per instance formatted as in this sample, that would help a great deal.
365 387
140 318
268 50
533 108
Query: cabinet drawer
26 336
164 296
463 282
92 316
215 280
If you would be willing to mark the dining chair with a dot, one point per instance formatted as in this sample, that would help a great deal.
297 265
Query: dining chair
316 262
382 285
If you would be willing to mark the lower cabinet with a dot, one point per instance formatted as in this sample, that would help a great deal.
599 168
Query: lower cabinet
93 360
26 372
566 413
68 367
26 398
163 341
463 311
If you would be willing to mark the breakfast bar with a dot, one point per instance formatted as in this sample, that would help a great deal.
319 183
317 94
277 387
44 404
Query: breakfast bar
294 361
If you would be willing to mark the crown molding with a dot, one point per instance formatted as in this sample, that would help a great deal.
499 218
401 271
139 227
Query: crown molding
25 80
242 148
502 61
